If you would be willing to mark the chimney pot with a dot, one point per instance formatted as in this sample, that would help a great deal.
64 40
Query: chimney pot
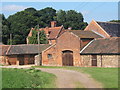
53 23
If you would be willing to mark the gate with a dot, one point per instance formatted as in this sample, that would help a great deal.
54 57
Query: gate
67 58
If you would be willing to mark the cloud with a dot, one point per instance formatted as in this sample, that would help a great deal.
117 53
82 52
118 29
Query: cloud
13 8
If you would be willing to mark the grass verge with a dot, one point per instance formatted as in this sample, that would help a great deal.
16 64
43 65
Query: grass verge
107 76
27 78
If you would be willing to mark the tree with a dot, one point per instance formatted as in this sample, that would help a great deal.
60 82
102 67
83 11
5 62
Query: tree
71 18
4 24
21 22
115 21
34 38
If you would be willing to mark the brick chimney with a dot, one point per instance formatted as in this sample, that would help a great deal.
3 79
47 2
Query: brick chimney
53 23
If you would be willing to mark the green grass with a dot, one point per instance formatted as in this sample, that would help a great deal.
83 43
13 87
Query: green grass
27 78
107 76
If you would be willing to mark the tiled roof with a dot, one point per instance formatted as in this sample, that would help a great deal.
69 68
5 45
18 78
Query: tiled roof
102 46
26 49
111 28
85 34
54 32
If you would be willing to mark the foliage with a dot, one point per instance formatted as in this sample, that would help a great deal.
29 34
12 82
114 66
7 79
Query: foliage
115 21
107 76
26 78
71 18
20 23
4 24
34 38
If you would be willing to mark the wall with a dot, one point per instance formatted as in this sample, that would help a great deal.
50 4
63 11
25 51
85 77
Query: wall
84 42
13 60
29 59
95 27
107 60
3 60
67 41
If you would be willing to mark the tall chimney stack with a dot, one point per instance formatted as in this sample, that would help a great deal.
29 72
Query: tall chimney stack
53 23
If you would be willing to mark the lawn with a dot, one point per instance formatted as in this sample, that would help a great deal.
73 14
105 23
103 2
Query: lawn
107 76
27 78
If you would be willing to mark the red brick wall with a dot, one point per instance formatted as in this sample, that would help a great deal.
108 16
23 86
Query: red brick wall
84 42
67 41
95 27
12 60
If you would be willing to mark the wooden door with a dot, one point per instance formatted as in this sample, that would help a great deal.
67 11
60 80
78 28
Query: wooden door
94 60
67 58
21 59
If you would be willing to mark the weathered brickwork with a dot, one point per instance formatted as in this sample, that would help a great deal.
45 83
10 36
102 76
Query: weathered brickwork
67 41
3 60
14 60
86 60
93 26
102 60
109 60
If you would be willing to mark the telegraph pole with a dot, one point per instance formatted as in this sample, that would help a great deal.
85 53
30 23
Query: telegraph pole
10 38
39 45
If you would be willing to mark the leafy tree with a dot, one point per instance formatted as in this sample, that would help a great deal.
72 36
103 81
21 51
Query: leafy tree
115 21
21 22
4 25
71 18
34 38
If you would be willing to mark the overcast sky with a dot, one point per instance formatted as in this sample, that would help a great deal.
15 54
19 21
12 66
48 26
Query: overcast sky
100 11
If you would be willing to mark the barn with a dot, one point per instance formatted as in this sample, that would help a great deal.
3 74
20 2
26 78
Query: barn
66 51
101 53
20 54
95 46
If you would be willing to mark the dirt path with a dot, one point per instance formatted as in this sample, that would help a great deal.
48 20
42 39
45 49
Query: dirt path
69 78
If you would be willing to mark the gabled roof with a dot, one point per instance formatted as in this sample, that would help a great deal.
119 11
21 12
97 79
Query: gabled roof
103 46
111 28
54 32
23 49
85 34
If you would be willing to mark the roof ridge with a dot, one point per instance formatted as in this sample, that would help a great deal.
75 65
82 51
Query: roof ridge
59 31
8 49
106 38
28 44
108 22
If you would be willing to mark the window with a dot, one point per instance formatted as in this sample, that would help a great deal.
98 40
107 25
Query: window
49 56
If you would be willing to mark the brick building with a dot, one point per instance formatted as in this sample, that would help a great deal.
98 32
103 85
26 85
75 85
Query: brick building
52 32
20 54
101 53
97 45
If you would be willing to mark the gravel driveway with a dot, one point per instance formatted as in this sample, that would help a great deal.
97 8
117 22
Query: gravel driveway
69 78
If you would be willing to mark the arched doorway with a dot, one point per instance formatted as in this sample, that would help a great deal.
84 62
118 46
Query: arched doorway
67 58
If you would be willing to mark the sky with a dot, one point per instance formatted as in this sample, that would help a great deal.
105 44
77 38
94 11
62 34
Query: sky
99 11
